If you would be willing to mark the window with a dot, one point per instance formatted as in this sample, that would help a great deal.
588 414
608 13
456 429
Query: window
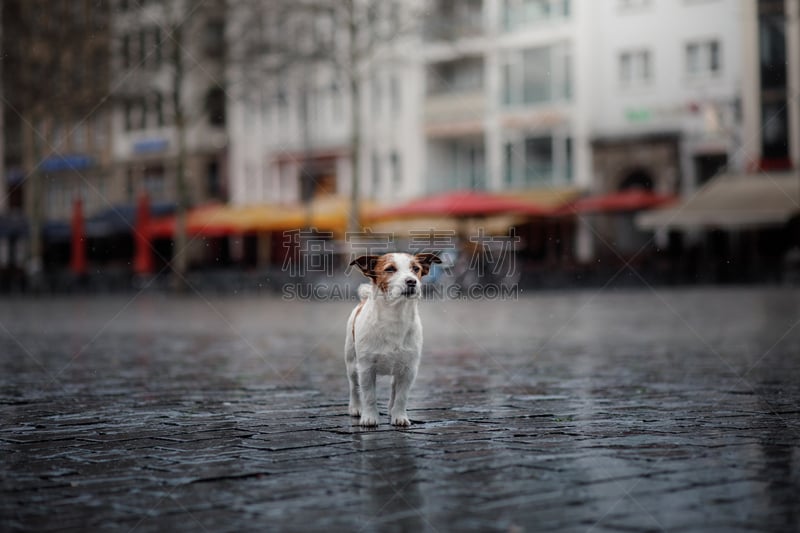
127 112
772 50
460 75
394 89
336 102
214 39
158 54
158 104
537 75
153 181
213 182
538 158
100 135
125 51
397 174
376 173
376 95
453 19
703 58
79 137
635 67
509 164
143 113
215 106
142 47
521 13
58 136
537 68
130 187
775 130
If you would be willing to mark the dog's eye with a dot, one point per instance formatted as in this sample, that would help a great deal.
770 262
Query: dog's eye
390 269
415 269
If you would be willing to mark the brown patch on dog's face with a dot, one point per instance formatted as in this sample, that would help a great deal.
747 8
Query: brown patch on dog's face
378 268
384 270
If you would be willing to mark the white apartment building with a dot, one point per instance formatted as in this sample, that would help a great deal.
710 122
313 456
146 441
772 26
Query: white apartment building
145 137
543 98
502 111
292 128
666 83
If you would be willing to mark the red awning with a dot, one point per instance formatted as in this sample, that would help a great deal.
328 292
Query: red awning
616 202
463 204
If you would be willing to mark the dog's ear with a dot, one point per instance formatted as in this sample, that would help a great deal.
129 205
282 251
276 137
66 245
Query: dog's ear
425 261
366 263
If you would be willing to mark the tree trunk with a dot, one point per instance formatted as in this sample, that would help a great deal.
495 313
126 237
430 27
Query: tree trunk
179 260
35 263
354 221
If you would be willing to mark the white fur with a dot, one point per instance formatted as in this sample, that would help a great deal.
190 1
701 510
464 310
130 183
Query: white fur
388 341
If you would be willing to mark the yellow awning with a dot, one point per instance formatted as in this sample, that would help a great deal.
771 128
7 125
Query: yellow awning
403 228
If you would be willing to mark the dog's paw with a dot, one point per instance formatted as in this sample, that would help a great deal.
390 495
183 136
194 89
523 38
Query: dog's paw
368 420
354 410
401 420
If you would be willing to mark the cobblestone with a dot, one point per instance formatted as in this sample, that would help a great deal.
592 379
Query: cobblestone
571 411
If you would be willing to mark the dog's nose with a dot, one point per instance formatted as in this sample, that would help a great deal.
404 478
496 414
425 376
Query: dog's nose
411 283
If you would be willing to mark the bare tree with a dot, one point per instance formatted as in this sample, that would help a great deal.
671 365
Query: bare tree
58 54
296 38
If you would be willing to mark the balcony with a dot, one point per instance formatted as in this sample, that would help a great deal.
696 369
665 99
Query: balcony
526 14
451 20
455 107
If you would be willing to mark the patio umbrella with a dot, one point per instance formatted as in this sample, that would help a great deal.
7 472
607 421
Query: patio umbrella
463 204
77 261
621 201
143 255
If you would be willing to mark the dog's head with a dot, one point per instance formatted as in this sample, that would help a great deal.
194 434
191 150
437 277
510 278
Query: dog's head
396 275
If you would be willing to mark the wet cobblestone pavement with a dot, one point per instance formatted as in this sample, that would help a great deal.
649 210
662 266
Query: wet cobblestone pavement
614 411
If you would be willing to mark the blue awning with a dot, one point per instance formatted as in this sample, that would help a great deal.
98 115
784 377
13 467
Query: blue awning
13 226
116 220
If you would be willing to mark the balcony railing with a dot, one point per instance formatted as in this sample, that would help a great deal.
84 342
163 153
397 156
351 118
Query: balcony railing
455 105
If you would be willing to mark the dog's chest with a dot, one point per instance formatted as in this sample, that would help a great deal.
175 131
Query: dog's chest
389 343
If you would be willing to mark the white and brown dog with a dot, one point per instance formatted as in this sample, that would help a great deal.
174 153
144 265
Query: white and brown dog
384 333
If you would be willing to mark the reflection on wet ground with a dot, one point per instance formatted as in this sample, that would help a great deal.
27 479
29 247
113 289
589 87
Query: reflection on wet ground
575 411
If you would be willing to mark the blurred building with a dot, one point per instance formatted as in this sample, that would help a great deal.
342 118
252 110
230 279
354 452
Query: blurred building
665 109
291 120
744 224
543 99
666 80
771 83
540 96
166 54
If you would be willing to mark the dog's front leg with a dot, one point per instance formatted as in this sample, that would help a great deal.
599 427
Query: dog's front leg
401 384
354 407
367 376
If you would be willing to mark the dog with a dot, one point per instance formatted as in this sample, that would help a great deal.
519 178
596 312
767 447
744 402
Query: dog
384 333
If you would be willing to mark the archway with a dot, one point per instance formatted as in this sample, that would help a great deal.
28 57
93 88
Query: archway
637 179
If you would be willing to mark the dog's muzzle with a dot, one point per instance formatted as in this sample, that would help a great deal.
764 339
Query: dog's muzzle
411 288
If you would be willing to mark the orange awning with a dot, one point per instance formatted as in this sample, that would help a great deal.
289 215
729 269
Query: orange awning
325 214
